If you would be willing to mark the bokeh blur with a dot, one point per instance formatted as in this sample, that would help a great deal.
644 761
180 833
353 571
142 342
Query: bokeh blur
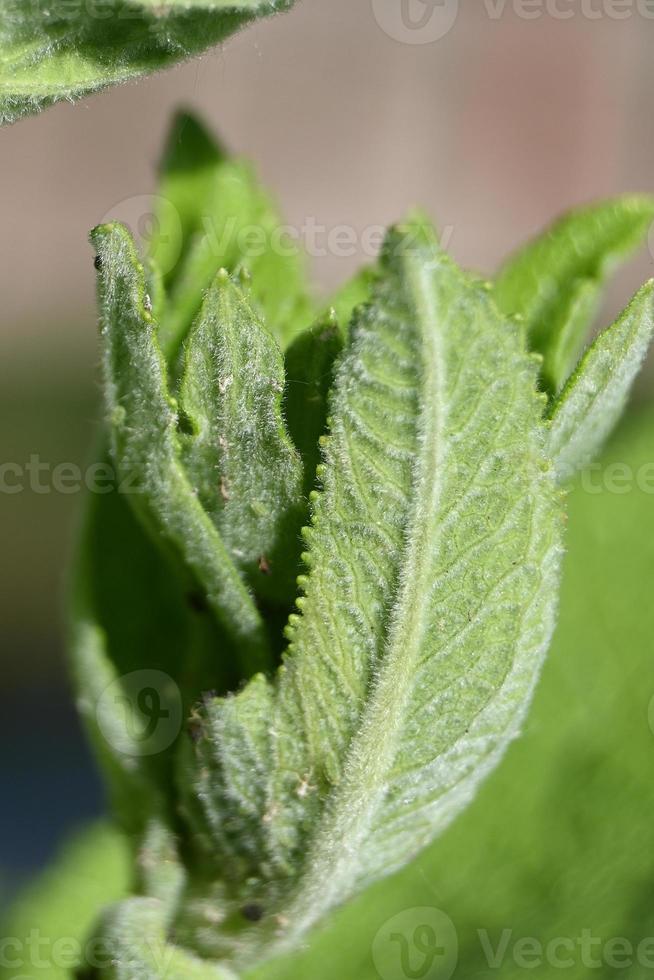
494 127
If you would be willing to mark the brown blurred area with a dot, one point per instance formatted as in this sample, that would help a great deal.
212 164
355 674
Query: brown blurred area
494 129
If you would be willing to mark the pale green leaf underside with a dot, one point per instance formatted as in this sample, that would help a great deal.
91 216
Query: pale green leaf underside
594 397
51 51
554 283
239 458
429 599
145 441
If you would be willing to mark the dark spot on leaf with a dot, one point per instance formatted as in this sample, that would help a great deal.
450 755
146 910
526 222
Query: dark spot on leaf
197 601
86 972
184 423
252 912
97 262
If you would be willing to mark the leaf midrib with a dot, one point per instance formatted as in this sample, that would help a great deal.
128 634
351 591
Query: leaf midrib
349 814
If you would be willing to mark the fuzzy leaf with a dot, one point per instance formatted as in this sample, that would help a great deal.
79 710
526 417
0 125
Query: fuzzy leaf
559 842
429 601
145 442
555 282
594 397
239 457
230 781
137 944
52 51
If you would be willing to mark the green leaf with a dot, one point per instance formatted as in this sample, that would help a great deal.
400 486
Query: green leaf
187 174
239 457
131 610
145 442
355 292
428 606
559 843
53 51
555 282
310 365
138 944
212 213
60 907
234 760
594 397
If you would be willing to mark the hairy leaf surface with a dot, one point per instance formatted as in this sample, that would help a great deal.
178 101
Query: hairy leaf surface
145 441
53 51
429 600
594 397
239 456
555 282
559 842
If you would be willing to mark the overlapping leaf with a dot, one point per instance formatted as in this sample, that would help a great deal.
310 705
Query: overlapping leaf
145 442
212 213
238 457
555 282
429 599
431 561
594 397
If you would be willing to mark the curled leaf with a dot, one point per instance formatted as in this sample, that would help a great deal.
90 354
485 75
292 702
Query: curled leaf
594 397
555 282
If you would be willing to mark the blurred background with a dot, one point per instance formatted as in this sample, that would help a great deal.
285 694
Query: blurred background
494 128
